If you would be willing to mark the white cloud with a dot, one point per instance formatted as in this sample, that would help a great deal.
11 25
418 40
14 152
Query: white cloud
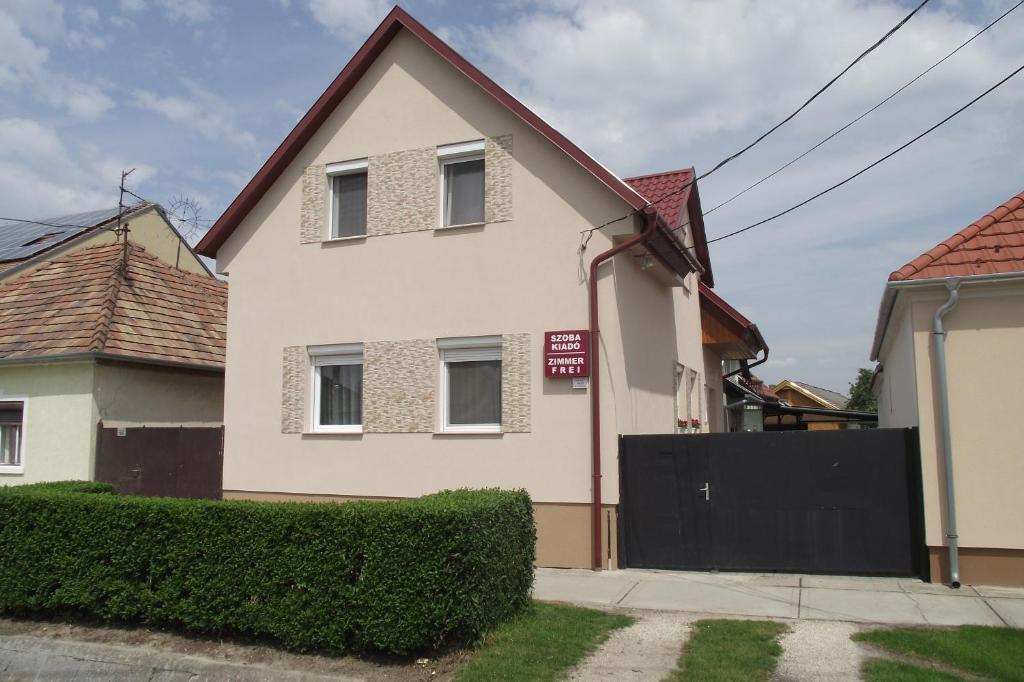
657 84
211 116
84 100
350 20
41 175
24 59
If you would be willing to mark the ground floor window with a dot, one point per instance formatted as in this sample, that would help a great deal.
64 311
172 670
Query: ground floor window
471 384
337 388
12 419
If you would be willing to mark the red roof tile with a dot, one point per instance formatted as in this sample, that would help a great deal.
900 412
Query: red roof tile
671 185
673 191
81 303
991 245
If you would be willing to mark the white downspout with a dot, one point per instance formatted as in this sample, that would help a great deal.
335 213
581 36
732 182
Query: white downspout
939 334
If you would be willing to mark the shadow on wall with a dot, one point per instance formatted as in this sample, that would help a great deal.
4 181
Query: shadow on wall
648 336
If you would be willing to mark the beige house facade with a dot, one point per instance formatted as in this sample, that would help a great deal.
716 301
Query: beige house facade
975 282
395 269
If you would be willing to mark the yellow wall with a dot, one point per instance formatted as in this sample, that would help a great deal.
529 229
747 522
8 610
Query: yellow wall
985 335
60 424
140 395
521 276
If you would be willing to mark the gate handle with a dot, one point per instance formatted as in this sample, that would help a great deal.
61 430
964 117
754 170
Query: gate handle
706 490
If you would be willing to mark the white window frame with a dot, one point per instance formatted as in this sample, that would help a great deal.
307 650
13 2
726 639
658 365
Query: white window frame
15 469
466 349
458 153
342 168
330 355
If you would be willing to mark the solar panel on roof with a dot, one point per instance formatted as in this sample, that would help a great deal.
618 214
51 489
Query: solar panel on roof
20 240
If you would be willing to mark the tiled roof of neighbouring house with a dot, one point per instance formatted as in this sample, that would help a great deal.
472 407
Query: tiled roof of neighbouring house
21 240
758 386
991 245
83 303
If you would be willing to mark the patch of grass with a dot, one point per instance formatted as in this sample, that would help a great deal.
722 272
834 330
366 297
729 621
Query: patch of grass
997 653
541 644
730 651
880 670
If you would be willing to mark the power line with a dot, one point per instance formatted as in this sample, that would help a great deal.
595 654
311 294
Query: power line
590 231
868 167
866 113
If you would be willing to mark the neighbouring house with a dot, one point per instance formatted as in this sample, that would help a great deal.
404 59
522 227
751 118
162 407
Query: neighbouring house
948 342
730 340
25 245
425 295
806 407
104 334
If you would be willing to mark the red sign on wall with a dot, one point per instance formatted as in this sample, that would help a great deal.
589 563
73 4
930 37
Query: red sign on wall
567 353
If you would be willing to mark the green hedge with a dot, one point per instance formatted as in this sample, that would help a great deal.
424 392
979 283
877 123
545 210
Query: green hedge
396 577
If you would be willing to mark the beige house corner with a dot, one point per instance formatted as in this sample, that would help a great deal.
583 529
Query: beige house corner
984 334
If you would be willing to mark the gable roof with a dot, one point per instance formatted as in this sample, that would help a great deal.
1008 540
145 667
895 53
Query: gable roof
993 244
395 21
81 304
830 399
674 191
24 239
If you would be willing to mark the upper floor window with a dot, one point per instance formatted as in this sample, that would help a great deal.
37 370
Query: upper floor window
462 183
337 388
12 417
348 199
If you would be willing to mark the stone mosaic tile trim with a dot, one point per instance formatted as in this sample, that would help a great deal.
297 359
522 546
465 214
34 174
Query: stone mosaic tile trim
293 389
402 192
313 219
498 179
515 383
400 380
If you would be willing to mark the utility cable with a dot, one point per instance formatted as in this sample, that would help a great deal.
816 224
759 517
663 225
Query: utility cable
590 231
866 113
870 166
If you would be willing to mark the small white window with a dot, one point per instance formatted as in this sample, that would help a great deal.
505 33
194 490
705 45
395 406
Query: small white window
462 184
337 388
12 429
348 199
471 385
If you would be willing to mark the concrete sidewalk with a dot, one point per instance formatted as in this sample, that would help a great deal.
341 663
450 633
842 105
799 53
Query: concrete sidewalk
895 601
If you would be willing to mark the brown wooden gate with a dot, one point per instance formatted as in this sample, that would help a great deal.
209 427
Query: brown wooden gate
162 461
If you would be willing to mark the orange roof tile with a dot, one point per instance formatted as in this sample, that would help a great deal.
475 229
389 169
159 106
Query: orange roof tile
991 245
82 303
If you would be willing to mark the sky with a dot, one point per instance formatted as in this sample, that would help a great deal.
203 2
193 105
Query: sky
196 94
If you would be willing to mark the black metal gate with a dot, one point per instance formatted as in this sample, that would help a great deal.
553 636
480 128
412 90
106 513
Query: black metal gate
161 461
845 502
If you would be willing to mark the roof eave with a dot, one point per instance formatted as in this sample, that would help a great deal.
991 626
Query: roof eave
85 356
893 287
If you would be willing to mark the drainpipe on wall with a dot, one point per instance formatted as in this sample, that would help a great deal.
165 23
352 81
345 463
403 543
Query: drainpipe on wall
939 334
595 385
